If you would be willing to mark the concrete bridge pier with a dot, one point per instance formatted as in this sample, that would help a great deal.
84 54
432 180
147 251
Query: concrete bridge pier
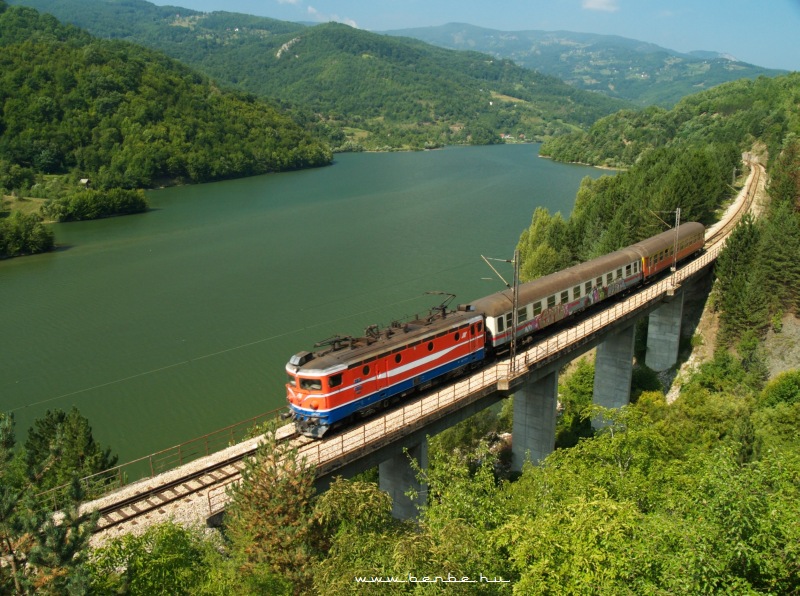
664 333
613 370
397 476
534 429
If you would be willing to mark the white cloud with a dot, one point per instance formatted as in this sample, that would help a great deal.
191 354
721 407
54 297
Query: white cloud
289 1
602 5
323 18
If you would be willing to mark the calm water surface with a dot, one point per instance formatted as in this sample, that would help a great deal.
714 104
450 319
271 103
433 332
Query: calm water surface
164 326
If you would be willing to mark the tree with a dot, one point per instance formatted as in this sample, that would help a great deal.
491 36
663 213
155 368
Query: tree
22 233
575 395
61 445
269 518
166 559
44 552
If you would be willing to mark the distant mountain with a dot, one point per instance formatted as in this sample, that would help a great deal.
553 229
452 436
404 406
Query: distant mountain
380 91
739 114
643 73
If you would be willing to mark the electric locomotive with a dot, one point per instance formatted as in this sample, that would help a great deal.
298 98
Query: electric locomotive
353 377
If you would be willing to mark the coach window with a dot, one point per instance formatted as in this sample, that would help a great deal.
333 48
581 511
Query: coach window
587 288
564 297
551 301
537 308
500 324
522 314
619 273
599 282
335 381
627 271
509 319
609 278
576 292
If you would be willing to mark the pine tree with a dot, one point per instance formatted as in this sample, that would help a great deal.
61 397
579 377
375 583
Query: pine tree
269 519
45 551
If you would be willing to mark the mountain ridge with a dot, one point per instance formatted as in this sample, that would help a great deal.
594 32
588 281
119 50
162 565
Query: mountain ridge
625 68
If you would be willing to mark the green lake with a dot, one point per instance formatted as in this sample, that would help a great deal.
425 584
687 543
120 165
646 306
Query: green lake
164 326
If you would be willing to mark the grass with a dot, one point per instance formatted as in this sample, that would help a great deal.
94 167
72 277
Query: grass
25 205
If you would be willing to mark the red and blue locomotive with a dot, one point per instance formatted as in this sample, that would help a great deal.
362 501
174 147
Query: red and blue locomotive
353 377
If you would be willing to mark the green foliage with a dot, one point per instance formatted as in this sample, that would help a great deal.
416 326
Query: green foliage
611 65
41 553
758 274
784 183
269 519
738 113
24 234
783 389
165 559
127 117
542 247
575 395
398 93
464 437
60 446
612 212
644 379
95 204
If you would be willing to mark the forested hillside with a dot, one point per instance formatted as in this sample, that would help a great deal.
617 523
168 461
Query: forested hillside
127 117
742 112
356 89
123 118
641 72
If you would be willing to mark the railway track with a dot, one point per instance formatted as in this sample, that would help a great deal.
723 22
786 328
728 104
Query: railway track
743 207
156 496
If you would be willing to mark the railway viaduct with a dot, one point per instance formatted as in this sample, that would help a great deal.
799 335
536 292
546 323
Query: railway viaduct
196 493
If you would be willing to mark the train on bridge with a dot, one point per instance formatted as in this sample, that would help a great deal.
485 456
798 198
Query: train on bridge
352 377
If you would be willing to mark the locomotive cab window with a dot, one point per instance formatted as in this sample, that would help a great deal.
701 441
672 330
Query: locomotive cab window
290 380
311 384
335 380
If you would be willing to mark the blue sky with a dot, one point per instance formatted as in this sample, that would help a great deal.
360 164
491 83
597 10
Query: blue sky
761 32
